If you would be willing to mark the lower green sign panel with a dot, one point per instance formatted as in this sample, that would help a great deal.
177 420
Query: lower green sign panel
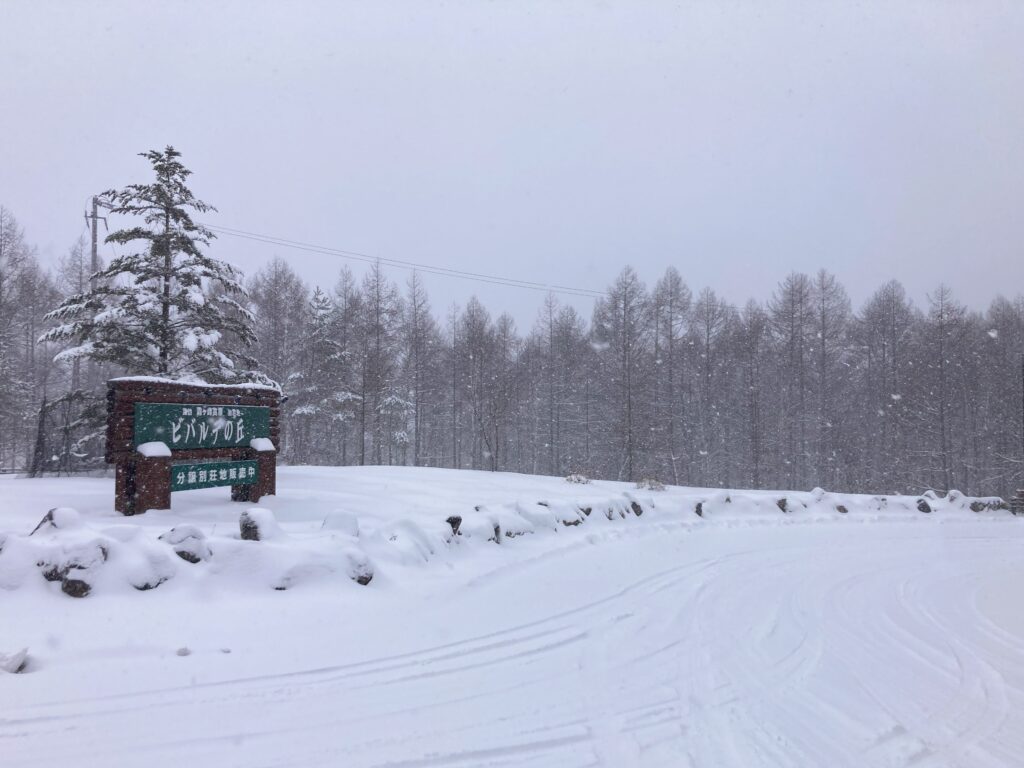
188 477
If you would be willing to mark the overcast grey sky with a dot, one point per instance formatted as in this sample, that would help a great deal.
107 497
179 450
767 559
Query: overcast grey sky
551 142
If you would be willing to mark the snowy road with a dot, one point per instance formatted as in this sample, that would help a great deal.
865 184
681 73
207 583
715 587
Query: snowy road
659 644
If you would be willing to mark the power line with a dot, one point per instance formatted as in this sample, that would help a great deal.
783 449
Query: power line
479 277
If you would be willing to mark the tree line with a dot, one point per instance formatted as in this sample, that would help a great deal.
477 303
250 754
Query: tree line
799 391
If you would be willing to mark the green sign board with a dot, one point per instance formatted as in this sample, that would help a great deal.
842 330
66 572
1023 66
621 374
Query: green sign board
187 426
210 474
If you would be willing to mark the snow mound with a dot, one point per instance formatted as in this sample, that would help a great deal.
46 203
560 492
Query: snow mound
13 663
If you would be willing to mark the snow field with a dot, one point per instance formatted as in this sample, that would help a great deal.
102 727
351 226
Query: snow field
742 637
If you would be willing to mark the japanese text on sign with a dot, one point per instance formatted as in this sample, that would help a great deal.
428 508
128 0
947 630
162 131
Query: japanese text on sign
190 426
186 477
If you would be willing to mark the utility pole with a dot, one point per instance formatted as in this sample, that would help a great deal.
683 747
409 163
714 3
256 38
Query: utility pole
94 265
94 219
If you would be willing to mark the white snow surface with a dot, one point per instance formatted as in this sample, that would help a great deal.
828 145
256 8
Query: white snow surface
196 381
154 449
743 637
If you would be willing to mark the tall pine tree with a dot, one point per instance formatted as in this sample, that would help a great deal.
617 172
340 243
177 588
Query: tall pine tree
164 308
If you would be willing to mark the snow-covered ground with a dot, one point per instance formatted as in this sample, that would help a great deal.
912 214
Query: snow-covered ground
746 636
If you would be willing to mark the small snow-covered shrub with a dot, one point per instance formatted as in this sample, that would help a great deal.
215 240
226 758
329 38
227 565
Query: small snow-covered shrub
538 515
188 543
650 484
990 503
577 478
75 566
478 526
410 540
86 556
144 567
58 519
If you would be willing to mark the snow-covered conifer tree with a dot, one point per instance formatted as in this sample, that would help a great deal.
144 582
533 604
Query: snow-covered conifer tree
162 308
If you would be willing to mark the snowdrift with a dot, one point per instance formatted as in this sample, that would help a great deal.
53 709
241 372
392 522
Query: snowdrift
345 524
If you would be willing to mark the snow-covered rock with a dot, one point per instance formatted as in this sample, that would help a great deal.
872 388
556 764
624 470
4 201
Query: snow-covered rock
259 524
188 543
12 663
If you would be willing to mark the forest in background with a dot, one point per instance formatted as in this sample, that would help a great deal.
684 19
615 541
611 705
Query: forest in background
800 391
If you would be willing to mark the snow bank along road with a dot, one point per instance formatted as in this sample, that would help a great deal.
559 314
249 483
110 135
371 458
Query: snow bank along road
664 640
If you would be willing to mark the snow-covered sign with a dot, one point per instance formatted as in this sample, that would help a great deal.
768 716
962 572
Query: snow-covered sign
166 436
195 425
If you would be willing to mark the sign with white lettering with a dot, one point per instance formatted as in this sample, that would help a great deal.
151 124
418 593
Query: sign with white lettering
211 474
189 426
